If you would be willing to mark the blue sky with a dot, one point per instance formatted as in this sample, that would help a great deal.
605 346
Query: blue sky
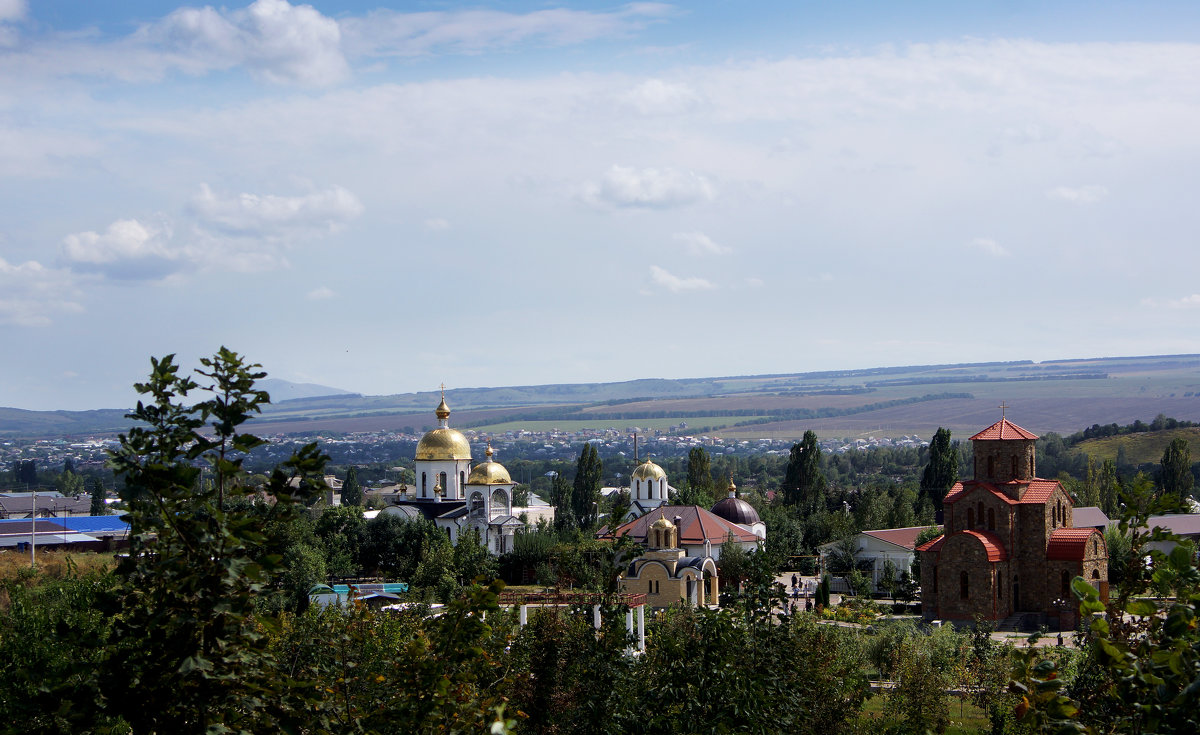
383 198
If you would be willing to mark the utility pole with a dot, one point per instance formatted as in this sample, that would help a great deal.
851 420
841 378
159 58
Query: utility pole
33 532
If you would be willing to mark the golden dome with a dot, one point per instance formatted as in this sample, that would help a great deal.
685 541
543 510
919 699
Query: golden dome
443 444
442 411
489 473
649 471
662 523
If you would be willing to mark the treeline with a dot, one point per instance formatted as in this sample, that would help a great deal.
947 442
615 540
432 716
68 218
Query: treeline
1096 431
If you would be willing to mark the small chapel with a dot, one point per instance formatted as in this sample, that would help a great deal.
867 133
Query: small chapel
1008 546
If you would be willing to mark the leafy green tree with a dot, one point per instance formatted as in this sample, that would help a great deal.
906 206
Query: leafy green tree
585 494
98 493
889 578
189 652
564 512
435 571
699 472
471 559
734 564
942 471
352 493
69 484
341 531
1177 468
803 483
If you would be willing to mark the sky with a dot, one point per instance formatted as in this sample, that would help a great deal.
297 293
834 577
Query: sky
383 198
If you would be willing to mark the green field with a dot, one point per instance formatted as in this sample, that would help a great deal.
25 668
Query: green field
1140 448
618 424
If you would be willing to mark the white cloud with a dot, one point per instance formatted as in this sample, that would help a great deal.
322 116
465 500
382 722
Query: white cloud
697 243
659 97
1078 195
273 39
270 215
647 188
321 293
246 233
675 284
754 282
394 33
436 224
31 294
11 10
1187 302
128 249
989 246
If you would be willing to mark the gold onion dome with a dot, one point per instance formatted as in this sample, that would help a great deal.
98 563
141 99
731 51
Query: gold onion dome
489 472
443 444
649 471
662 523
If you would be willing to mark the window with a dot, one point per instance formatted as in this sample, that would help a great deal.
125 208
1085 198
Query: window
1095 574
935 578
991 519
970 518
1066 585
462 481
445 487
422 483
1014 467
964 589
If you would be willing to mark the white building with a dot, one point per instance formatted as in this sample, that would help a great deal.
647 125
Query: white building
454 495
876 548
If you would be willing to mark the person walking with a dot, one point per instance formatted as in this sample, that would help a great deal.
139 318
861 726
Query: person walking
794 581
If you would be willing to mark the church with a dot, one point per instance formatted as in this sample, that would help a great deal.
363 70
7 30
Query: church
453 494
1009 546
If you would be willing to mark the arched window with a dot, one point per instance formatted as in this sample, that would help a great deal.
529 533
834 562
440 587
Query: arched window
462 480
445 487
1095 574
964 589
991 519
422 484
638 490
970 518
1066 584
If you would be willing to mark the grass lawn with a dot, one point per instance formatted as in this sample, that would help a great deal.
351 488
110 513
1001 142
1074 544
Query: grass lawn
965 718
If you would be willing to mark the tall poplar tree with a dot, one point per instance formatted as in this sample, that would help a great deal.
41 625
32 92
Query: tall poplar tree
803 482
1177 468
98 508
351 489
699 472
942 471
586 491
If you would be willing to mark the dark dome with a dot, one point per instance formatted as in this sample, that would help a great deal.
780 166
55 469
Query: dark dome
736 510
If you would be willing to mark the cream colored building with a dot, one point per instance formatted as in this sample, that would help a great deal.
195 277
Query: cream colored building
667 575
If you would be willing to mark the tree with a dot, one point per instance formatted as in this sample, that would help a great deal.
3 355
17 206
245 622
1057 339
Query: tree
69 484
888 578
585 495
560 498
1109 488
351 490
99 507
190 657
699 474
942 471
803 483
1177 468
471 559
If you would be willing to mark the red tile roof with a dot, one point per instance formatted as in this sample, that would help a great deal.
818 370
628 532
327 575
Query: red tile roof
696 525
1003 429
932 544
1069 544
992 543
1038 490
905 537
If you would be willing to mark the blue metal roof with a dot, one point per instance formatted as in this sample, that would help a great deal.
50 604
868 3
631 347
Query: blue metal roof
103 525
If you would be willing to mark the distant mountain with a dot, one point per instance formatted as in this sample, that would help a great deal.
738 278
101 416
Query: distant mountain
1055 395
285 390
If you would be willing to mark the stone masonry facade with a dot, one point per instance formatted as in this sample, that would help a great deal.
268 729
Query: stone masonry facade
1008 544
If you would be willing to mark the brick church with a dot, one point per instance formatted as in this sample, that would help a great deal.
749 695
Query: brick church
1008 545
